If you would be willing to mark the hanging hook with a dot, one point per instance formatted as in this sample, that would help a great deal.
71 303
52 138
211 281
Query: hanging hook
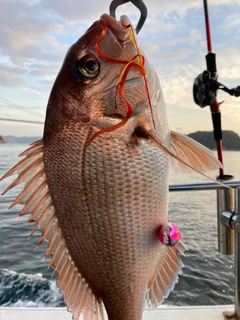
138 3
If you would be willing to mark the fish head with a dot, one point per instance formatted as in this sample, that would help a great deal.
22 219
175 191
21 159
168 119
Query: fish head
86 88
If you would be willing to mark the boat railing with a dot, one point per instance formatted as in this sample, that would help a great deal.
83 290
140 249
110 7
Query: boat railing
228 212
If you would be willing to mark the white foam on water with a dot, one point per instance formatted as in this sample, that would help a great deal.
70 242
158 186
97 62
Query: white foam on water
27 290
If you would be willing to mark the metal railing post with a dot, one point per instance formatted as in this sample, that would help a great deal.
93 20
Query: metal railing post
235 223
225 202
237 259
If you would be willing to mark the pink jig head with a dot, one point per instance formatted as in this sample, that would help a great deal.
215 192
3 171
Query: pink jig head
169 234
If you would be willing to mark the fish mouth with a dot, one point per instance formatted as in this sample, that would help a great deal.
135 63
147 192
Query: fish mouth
117 28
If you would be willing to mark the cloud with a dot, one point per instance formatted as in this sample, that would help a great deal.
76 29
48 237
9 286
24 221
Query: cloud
193 38
24 40
9 75
177 55
232 25
26 36
182 6
228 62
35 35
41 69
154 26
34 90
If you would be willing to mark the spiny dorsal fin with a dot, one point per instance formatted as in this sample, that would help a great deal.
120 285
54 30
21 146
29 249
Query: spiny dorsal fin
34 153
166 275
37 202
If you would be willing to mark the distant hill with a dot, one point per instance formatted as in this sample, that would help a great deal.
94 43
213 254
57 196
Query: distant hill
231 141
13 139
2 140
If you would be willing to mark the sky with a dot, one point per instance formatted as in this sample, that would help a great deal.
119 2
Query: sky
36 34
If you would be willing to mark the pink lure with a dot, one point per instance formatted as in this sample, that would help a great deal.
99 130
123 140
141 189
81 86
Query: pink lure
169 234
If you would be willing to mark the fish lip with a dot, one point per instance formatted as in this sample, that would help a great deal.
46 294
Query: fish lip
115 26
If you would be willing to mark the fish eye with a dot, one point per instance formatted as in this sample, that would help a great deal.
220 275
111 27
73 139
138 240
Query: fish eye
88 66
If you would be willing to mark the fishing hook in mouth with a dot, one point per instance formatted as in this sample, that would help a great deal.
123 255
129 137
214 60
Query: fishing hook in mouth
138 3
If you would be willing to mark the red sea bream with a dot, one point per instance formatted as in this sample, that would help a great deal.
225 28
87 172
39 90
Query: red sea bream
97 183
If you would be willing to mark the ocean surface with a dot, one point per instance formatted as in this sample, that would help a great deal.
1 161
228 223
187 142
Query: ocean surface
206 279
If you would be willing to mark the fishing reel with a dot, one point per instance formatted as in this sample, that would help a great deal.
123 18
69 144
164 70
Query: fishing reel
205 88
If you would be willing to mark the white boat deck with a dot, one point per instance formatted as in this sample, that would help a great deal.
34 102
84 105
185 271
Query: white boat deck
162 313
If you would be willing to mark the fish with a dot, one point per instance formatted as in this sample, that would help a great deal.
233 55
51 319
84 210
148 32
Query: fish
96 184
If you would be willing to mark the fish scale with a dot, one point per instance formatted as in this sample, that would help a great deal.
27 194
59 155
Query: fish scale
127 227
109 224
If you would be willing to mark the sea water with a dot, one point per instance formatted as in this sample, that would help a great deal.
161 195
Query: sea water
206 279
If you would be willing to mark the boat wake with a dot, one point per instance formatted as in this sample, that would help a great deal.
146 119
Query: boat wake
25 290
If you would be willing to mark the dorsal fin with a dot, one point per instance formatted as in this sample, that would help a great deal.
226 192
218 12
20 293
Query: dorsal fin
37 202
166 275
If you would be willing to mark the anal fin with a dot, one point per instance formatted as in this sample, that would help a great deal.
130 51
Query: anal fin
166 275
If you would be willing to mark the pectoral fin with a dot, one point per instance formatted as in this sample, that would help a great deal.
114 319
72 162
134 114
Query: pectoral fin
187 154
192 153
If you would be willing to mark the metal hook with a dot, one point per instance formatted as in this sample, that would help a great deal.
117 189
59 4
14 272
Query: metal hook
138 3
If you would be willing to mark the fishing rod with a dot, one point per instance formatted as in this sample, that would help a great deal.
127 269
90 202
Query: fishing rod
205 92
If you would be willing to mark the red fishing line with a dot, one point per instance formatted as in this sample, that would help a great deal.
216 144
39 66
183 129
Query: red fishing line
137 61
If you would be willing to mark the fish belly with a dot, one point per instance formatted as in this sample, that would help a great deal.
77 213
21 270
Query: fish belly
110 199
